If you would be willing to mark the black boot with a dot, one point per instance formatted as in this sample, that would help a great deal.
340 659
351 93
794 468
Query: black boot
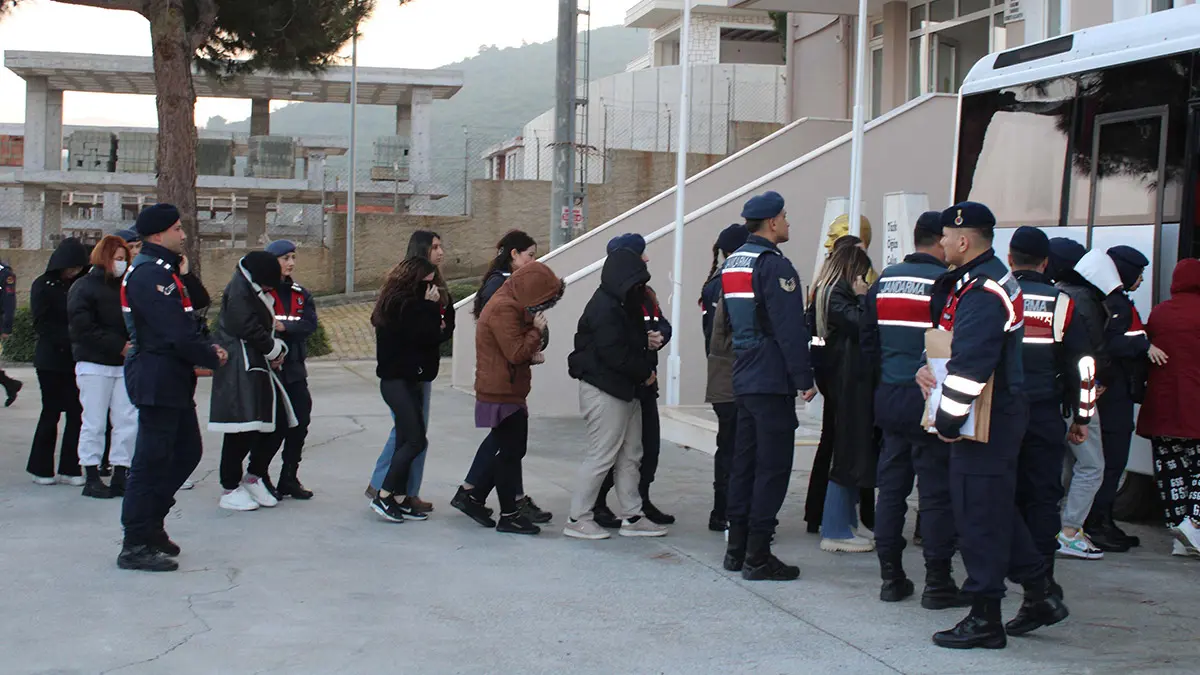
1120 534
95 487
761 565
1055 589
532 511
119 478
735 550
467 503
981 628
162 541
653 513
918 540
145 558
1107 539
1039 608
290 485
896 585
940 590
11 388
605 517
716 517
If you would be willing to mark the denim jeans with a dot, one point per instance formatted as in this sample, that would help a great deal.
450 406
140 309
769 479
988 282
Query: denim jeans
839 519
417 470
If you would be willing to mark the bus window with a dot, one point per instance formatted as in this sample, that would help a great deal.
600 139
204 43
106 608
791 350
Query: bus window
1127 176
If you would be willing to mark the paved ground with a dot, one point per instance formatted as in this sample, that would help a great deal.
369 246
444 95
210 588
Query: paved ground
349 329
326 587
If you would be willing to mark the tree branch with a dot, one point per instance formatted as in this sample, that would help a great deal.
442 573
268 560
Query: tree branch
206 20
130 5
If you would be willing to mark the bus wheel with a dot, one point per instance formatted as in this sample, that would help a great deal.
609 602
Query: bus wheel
1137 500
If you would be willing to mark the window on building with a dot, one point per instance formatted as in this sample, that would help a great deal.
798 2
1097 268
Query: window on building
1161 5
916 17
1054 26
941 10
876 82
972 6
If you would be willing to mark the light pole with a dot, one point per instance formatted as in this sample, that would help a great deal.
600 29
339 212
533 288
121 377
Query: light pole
673 361
350 206
856 144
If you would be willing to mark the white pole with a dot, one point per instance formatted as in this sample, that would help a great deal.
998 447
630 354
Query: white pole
856 146
673 361
350 207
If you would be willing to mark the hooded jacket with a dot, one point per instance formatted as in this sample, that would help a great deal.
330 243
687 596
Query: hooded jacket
97 325
612 352
505 339
1173 389
48 301
1092 278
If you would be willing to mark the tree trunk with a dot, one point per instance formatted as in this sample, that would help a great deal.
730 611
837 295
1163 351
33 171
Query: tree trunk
176 101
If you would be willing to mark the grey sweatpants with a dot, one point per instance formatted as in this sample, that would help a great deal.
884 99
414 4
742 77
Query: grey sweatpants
614 429
1083 473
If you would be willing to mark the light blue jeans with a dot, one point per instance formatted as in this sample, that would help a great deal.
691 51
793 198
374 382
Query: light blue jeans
840 517
417 472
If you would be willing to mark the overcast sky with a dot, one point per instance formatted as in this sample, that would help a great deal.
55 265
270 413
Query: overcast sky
422 34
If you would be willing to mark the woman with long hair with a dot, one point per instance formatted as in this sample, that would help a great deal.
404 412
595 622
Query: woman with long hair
514 251
425 244
719 391
408 331
99 342
846 381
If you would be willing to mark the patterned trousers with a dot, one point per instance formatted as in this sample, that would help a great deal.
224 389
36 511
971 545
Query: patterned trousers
1177 472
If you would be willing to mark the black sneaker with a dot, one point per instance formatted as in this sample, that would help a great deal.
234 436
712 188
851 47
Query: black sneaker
474 509
516 523
605 518
656 516
410 512
145 558
388 508
771 569
163 543
105 470
11 389
97 489
530 510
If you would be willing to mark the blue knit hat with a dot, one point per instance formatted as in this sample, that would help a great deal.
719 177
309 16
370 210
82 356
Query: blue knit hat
280 248
732 238
130 236
1031 241
156 218
930 221
1064 253
633 242
1130 262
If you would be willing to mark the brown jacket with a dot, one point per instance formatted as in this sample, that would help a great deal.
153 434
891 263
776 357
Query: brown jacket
720 359
505 338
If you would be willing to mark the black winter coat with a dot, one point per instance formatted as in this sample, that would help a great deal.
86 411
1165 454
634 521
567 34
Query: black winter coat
48 301
612 352
846 379
406 345
245 391
97 325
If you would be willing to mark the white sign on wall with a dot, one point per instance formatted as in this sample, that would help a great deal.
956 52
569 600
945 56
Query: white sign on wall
1013 11
900 213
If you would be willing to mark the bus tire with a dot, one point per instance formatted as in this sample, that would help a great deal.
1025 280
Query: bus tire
1137 500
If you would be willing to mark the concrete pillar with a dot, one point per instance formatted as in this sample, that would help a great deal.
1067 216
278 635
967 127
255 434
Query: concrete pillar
312 215
41 211
112 207
404 113
256 208
895 56
420 168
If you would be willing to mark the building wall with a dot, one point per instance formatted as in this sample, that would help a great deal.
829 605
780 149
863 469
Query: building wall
819 67
733 51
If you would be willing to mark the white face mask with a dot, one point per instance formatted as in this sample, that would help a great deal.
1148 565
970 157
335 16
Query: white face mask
119 267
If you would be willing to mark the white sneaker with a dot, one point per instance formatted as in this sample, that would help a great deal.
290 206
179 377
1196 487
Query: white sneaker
854 544
1177 548
39 480
642 527
258 491
863 532
73 481
1187 534
238 500
585 529
187 485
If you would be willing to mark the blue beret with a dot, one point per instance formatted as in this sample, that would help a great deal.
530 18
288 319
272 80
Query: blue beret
629 240
969 215
1030 241
1064 253
762 207
129 236
280 248
1130 262
732 238
930 221
155 219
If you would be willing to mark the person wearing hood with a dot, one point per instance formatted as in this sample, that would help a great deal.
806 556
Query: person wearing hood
613 356
56 368
1081 275
295 320
718 345
1167 416
508 342
8 310
99 342
160 376
249 402
1129 357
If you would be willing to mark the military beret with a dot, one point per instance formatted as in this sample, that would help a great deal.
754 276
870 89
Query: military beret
732 238
930 221
1030 241
762 207
156 218
129 236
633 242
280 248
1064 253
968 215
1130 262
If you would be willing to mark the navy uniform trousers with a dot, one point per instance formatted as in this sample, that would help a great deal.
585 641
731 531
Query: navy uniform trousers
293 443
167 450
762 460
928 459
1039 477
993 538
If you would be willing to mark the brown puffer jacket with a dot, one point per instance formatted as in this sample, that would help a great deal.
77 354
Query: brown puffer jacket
505 338
720 359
